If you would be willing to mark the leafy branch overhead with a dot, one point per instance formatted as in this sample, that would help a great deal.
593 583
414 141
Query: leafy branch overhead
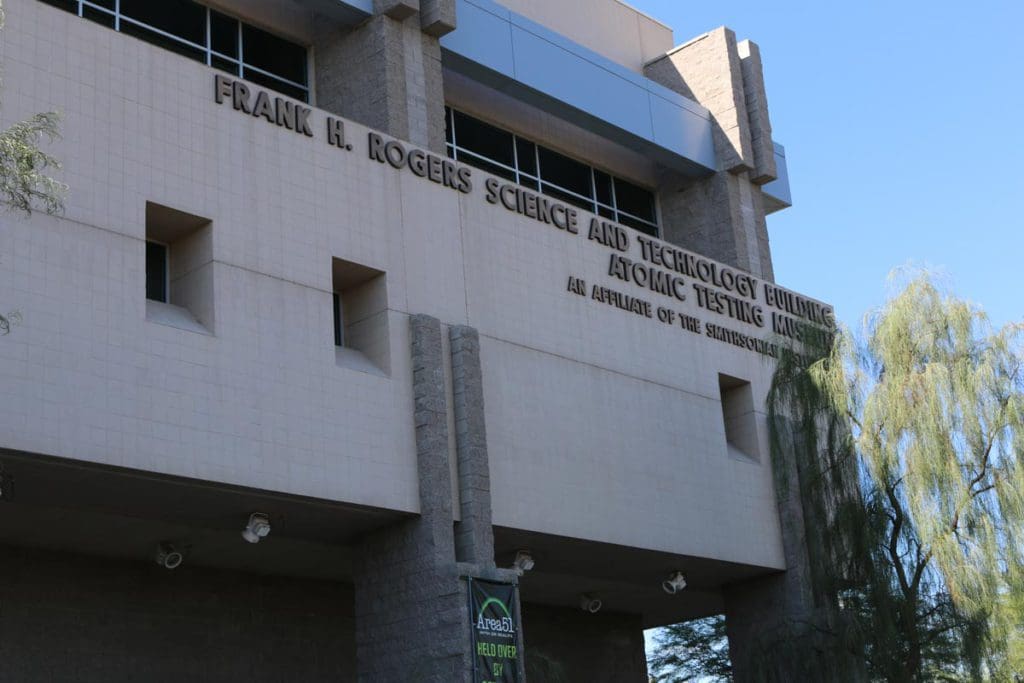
26 183
904 446
909 443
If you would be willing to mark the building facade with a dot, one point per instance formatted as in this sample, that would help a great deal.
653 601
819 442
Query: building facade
415 293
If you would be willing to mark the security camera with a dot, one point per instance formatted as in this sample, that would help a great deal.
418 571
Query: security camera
590 603
523 562
675 582
257 528
168 557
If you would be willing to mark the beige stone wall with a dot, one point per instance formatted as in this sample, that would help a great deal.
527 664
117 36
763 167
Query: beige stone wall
601 424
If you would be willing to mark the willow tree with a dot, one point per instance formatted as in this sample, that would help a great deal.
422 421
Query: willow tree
25 181
691 651
908 440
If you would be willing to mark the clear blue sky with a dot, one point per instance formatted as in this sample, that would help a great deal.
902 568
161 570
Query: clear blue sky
903 123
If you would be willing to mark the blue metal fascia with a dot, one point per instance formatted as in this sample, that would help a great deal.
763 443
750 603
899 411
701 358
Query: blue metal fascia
777 191
531 62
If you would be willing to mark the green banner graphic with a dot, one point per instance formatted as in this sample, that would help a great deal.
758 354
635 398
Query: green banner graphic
495 632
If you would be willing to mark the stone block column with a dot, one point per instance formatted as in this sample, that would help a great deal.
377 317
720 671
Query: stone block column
722 215
386 72
474 540
411 618
411 600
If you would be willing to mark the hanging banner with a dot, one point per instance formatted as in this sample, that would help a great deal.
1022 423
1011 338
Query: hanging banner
495 632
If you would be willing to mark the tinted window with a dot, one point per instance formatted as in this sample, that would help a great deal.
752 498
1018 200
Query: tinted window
180 18
527 156
483 139
156 271
567 173
163 41
490 148
274 84
223 34
197 32
276 55
634 200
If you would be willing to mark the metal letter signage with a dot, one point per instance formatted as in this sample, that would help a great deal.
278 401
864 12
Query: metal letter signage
495 631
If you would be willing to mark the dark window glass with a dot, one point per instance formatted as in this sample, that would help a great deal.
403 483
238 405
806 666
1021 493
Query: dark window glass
181 18
223 34
527 152
483 139
108 4
485 165
603 187
487 147
163 41
565 172
634 200
68 5
566 197
338 336
639 225
99 16
225 65
274 84
275 55
156 271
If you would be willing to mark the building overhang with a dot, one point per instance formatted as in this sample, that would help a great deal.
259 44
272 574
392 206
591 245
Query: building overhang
508 52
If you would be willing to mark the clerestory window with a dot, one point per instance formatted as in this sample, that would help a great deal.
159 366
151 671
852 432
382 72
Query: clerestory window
205 35
522 161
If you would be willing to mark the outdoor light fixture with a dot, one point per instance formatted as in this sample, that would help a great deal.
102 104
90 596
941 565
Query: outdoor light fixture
523 562
590 603
168 557
675 582
257 528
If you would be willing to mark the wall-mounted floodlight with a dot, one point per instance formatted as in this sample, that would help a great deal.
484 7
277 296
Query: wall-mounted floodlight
168 556
257 528
590 603
523 562
675 582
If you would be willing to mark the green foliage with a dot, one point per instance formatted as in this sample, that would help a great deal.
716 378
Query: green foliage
905 444
692 651
907 440
25 183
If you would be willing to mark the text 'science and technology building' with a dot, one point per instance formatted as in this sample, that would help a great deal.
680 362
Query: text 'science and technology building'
388 340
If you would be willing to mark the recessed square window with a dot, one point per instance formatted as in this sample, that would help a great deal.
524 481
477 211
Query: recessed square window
739 417
359 314
179 268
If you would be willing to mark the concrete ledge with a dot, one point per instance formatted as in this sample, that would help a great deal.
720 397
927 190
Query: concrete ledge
396 9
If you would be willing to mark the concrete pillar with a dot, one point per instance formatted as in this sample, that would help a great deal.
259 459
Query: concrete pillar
786 627
411 600
411 618
722 215
386 72
474 540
